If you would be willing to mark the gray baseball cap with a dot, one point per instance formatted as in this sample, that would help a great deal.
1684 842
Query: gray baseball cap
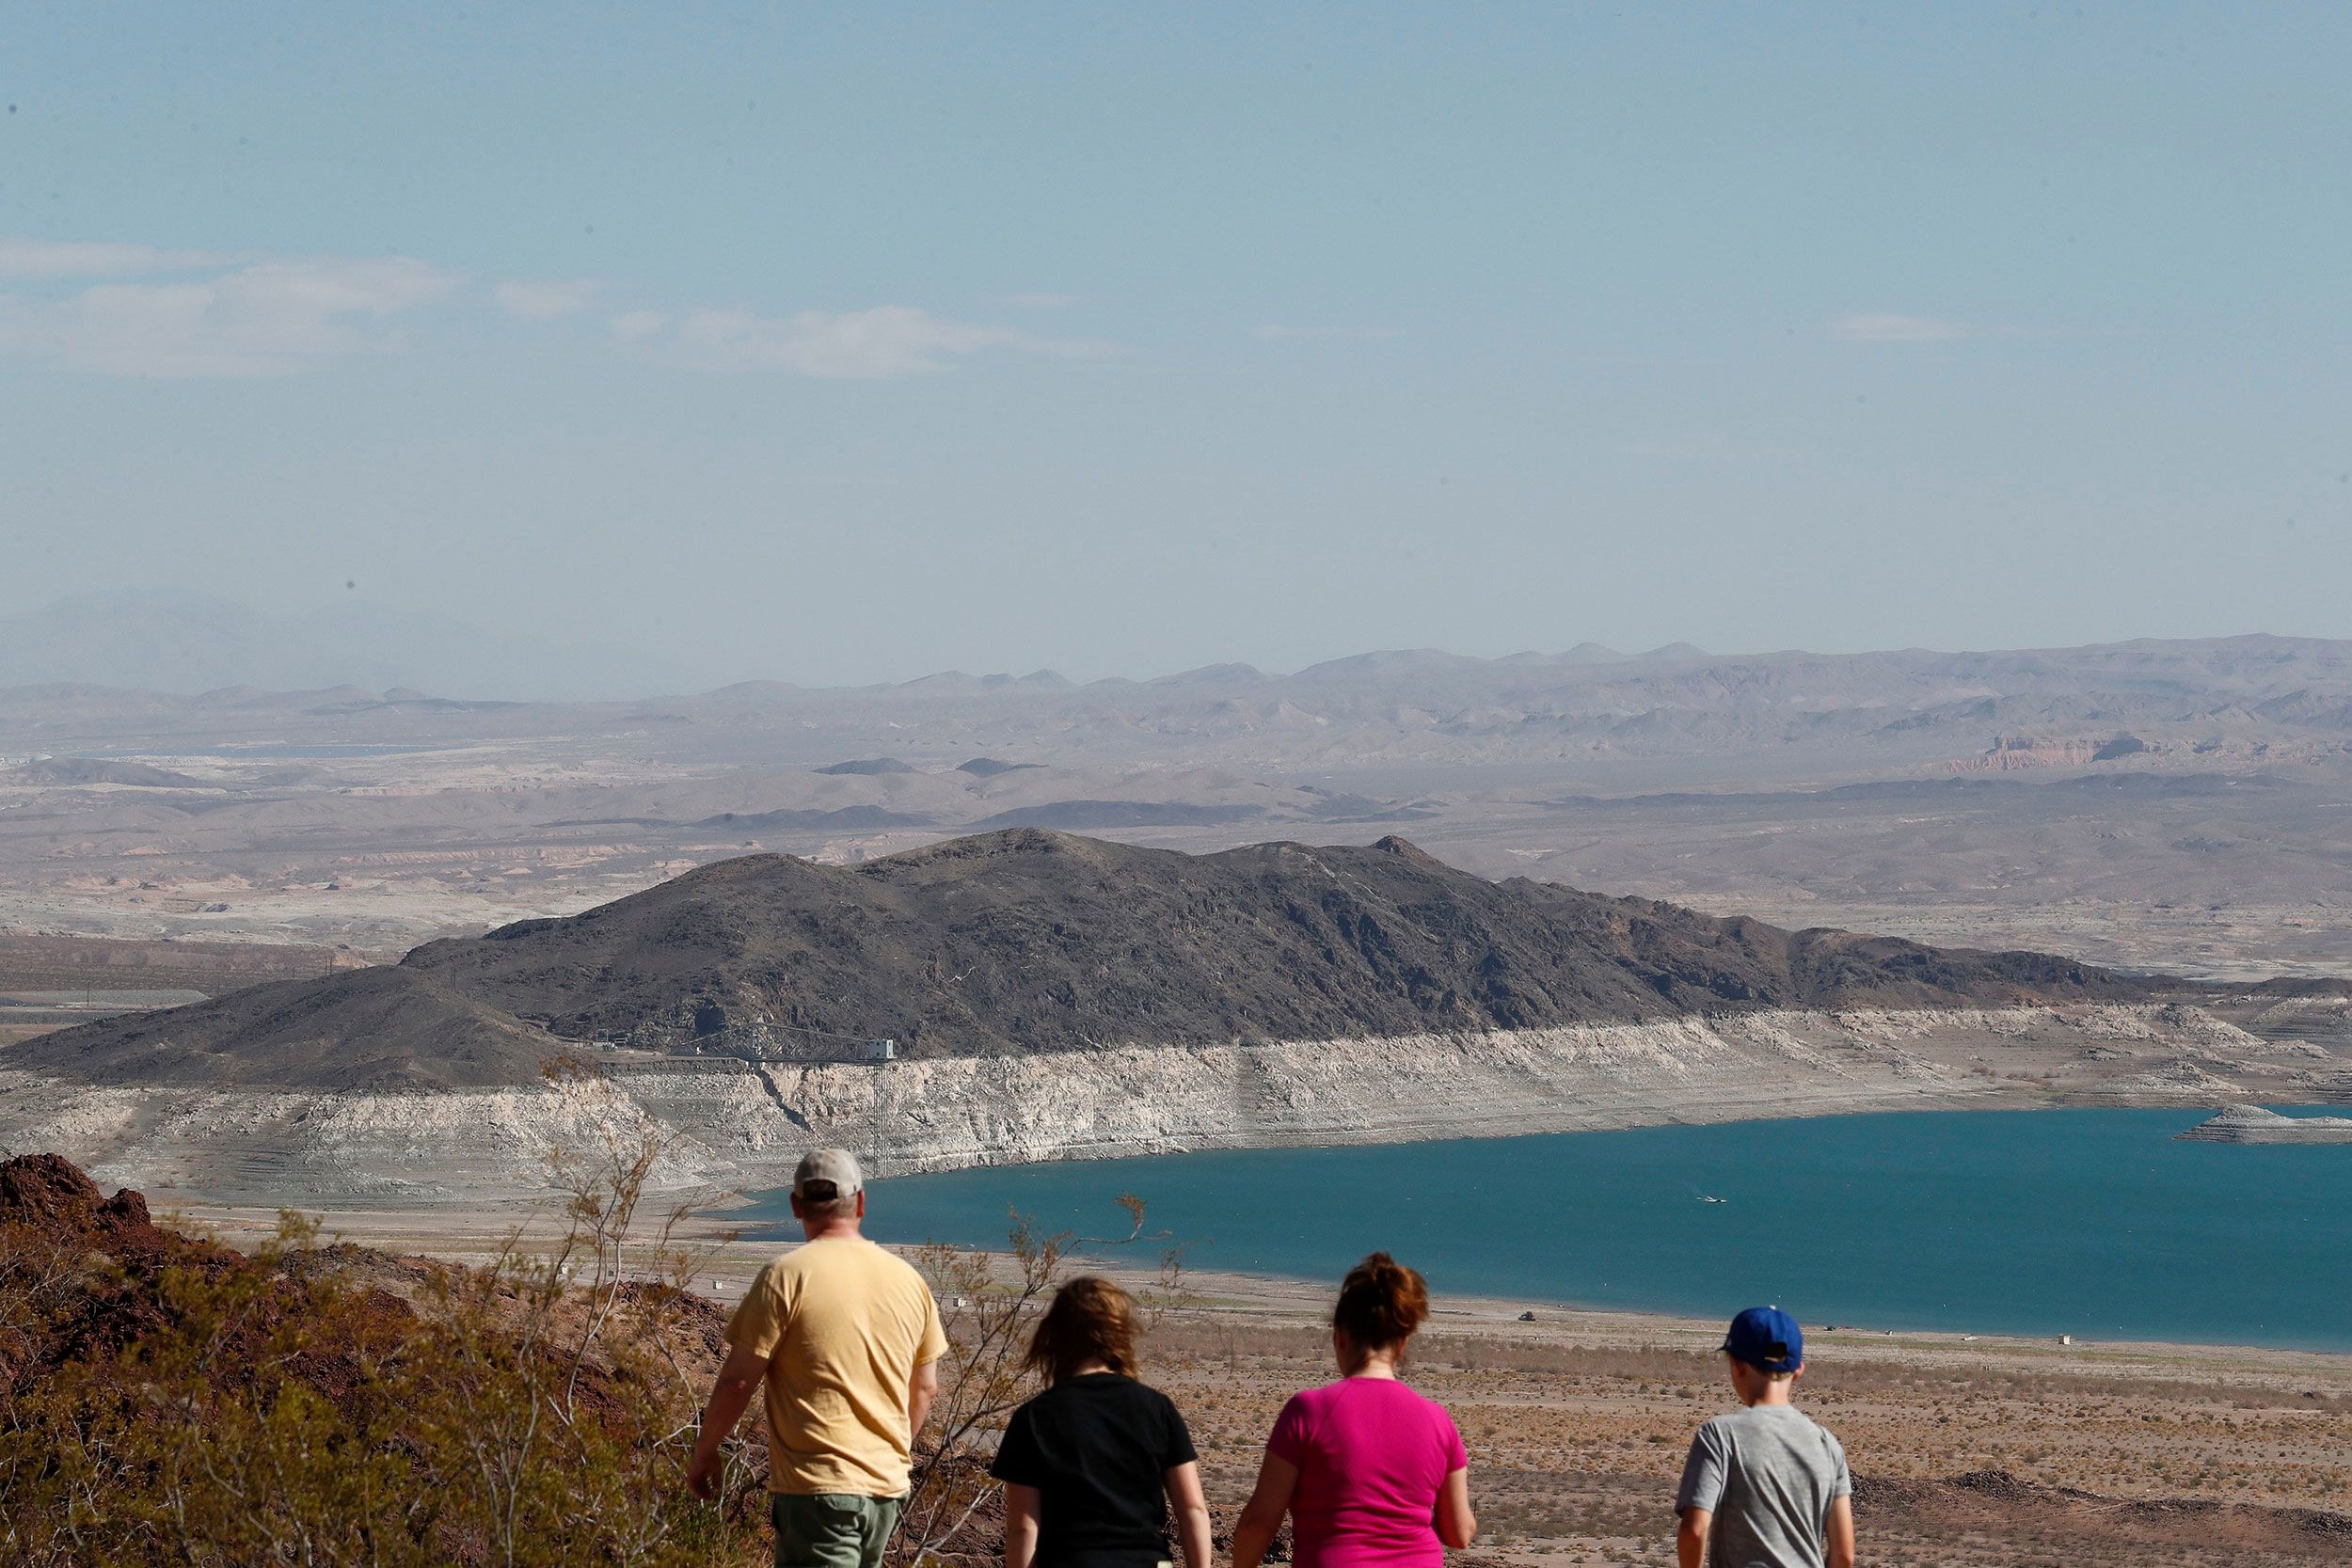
835 1166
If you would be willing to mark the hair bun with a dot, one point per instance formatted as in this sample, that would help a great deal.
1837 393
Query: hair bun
1381 1302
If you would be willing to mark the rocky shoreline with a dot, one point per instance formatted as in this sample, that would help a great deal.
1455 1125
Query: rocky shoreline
2256 1124
732 1125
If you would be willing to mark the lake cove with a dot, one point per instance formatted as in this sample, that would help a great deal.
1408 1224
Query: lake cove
2100 1224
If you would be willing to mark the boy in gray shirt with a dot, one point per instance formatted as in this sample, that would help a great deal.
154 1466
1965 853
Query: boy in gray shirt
1765 1487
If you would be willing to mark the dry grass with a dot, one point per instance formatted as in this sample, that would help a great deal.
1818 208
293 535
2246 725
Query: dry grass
1576 1446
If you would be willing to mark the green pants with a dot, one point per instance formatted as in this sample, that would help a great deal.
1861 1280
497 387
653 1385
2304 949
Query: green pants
831 1530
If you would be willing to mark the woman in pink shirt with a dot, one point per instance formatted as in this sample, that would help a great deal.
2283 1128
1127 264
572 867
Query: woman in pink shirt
1371 1474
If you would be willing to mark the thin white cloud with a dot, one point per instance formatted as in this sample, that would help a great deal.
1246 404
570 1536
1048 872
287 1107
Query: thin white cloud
547 300
887 341
115 315
274 318
1885 327
45 260
1275 333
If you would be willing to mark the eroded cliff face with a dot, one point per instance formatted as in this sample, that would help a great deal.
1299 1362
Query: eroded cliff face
2255 1124
731 1125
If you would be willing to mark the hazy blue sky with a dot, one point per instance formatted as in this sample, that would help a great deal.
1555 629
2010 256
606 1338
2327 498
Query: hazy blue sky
838 344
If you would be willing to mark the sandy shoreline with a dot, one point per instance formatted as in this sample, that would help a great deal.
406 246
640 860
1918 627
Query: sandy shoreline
725 1261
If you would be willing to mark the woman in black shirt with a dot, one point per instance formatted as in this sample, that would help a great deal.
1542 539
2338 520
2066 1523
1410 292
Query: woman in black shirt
1086 1463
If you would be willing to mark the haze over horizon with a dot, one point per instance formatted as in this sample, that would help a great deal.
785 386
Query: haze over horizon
837 349
189 643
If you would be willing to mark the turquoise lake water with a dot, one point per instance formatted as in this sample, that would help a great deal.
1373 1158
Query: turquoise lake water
2095 1222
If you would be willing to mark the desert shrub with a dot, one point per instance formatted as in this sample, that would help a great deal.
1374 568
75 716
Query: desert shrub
169 1400
165 1399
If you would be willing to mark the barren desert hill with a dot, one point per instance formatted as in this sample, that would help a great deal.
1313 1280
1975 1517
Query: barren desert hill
1024 941
1027 939
382 1029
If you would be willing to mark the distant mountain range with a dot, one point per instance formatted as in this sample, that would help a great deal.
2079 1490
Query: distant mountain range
2240 704
193 643
190 643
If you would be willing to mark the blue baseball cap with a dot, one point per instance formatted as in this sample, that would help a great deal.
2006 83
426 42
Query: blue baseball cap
1767 1338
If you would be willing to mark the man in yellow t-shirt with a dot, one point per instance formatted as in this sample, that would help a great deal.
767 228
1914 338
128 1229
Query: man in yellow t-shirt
846 1339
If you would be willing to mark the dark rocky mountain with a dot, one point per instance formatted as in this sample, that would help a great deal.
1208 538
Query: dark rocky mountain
386 1028
1027 941
865 768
